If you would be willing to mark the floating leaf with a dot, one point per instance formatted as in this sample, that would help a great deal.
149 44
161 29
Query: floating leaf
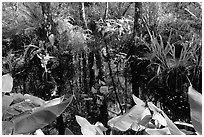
40 117
7 127
7 83
195 100
163 131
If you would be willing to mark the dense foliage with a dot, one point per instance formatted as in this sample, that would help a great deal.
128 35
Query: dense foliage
102 53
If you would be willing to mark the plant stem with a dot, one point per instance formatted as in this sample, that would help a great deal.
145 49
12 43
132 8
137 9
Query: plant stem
112 78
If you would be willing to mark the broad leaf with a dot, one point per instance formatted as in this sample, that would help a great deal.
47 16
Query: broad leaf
39 132
160 120
138 101
35 100
163 131
195 100
89 129
40 117
7 83
124 122
86 127
7 127
17 97
6 101
68 132
172 127
100 128
145 117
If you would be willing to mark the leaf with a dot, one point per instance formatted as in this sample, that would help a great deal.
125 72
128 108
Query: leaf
183 124
17 97
126 121
35 100
138 101
40 117
7 83
39 132
51 39
195 100
7 127
86 127
160 119
163 131
31 122
101 126
145 117
172 127
53 102
104 89
68 131
6 101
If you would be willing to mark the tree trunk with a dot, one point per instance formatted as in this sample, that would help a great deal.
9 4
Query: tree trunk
106 11
82 14
136 32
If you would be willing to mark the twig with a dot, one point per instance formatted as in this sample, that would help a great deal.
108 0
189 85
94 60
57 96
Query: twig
192 14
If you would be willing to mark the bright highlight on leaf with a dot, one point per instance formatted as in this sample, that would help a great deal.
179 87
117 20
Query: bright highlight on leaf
89 129
195 100
138 101
163 131
7 83
130 119
172 127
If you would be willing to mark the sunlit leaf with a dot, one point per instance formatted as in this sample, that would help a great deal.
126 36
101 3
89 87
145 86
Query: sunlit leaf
138 101
86 127
41 116
124 122
7 83
195 100
163 131
51 39
172 127
7 127
145 117
160 119
39 132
